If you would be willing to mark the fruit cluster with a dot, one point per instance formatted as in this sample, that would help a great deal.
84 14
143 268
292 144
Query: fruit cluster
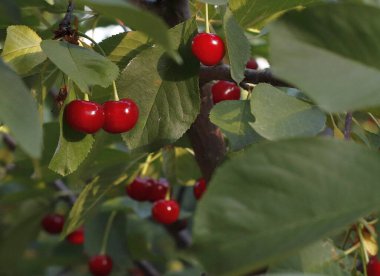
99 265
148 189
113 116
209 49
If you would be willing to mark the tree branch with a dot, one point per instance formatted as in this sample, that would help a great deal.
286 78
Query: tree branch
207 139
222 72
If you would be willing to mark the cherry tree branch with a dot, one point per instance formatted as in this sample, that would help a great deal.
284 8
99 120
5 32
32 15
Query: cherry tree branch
222 72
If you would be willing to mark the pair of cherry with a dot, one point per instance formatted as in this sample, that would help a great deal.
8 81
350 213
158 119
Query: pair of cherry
53 224
113 116
148 189
226 90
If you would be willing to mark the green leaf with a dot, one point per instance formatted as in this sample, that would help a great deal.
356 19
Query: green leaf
128 205
167 94
121 48
186 166
84 66
275 198
18 110
73 147
234 118
256 13
95 192
137 19
331 53
281 116
320 257
22 50
238 46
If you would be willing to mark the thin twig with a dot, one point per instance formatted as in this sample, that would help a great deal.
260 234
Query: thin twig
348 126
61 186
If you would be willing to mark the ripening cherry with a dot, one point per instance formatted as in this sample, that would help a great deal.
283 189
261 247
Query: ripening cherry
225 90
252 64
53 223
199 188
84 116
158 190
208 48
100 265
165 211
373 267
76 237
139 189
120 116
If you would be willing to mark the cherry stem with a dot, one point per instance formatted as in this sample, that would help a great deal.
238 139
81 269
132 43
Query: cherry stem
86 97
146 164
364 255
115 94
207 20
367 226
93 42
103 249
37 174
374 119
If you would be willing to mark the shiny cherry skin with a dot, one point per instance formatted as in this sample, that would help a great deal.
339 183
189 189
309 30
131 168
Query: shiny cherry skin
165 211
373 267
84 116
208 48
100 265
199 188
120 116
225 90
76 237
139 189
53 223
252 64
158 190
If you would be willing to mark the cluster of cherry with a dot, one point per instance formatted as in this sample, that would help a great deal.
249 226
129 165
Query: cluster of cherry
209 49
113 116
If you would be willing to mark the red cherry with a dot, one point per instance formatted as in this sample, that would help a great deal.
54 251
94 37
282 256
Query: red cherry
120 116
252 64
76 237
208 48
53 223
165 211
139 189
100 265
373 267
158 190
225 90
199 188
84 116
